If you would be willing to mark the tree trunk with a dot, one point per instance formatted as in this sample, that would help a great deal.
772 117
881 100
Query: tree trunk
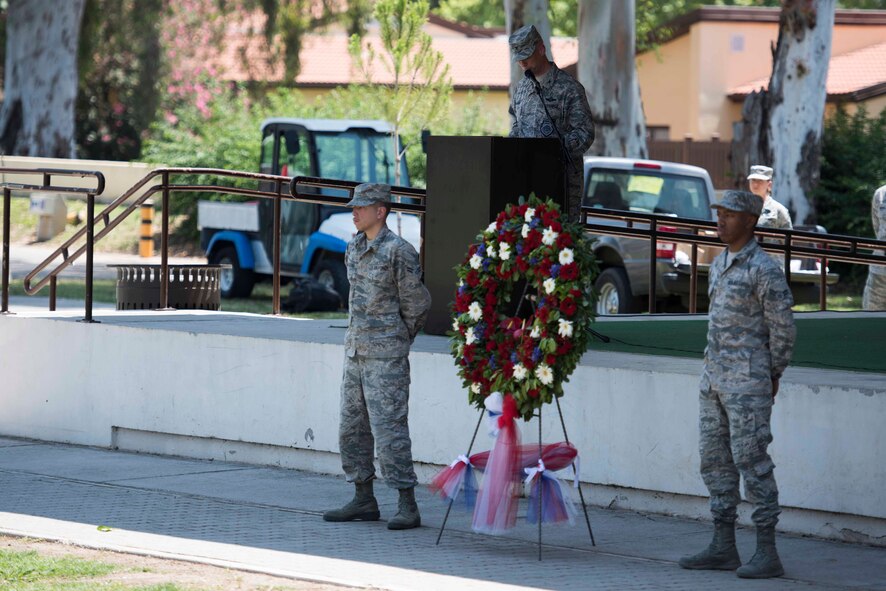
782 126
606 68
40 82
519 13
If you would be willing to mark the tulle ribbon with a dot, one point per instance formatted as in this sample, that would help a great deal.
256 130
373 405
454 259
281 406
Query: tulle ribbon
496 509
455 478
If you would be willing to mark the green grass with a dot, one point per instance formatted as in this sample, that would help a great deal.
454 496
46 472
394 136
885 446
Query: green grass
26 567
105 291
123 238
30 571
841 343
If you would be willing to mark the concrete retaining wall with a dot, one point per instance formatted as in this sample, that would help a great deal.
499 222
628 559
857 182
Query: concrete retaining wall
264 400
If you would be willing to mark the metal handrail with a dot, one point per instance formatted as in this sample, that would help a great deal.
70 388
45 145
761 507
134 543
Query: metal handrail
835 247
167 188
46 174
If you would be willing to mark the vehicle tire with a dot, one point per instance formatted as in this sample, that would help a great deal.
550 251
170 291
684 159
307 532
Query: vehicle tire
234 282
614 293
333 274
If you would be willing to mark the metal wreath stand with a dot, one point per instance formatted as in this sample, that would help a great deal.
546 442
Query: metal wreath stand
581 495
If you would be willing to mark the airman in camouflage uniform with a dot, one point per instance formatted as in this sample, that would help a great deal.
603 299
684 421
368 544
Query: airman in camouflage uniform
875 288
570 118
774 214
388 306
750 340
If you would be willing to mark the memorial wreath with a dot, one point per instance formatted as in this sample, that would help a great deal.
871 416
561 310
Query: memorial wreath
529 346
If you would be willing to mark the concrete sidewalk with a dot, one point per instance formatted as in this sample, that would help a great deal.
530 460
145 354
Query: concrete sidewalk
268 520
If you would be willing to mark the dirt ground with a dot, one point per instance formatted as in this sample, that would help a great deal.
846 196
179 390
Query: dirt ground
133 570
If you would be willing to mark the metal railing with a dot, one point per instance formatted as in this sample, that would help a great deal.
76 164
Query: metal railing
791 243
46 174
136 195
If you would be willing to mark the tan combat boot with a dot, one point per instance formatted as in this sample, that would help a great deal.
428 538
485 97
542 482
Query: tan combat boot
721 554
765 563
407 516
363 507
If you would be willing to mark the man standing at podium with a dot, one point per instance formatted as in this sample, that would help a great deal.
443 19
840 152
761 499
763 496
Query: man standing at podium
548 102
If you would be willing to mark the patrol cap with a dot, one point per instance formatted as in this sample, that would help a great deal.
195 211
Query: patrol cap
760 172
523 42
742 201
370 194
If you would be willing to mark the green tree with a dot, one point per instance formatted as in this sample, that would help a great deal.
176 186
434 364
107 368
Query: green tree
853 165
120 69
418 89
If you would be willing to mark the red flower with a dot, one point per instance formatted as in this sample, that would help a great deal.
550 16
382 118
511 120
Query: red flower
533 239
568 307
508 370
569 272
576 295
564 241
564 347
550 359
556 227
462 302
468 352
472 250
549 217
522 209
491 298
533 393
490 346
542 313
522 264
509 237
472 278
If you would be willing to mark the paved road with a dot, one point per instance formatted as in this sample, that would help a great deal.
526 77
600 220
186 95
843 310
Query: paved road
268 520
23 258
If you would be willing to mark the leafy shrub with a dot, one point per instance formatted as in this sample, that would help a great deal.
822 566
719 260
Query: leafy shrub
229 136
853 166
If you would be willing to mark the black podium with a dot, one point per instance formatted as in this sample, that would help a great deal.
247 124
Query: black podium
470 180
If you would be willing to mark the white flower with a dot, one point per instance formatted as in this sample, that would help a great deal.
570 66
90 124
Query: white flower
475 311
504 251
461 282
492 227
525 231
520 372
536 331
566 256
476 261
548 237
470 339
545 374
475 388
455 324
530 213
565 328
550 285
490 249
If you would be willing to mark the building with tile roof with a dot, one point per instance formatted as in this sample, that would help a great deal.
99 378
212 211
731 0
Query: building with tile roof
709 60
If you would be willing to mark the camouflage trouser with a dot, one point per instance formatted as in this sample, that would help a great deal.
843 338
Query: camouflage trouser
874 292
374 413
733 436
575 186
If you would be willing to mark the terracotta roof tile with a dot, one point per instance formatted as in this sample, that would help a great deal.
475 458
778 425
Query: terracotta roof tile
850 73
475 62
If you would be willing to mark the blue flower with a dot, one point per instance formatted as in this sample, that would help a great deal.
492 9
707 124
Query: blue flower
536 354
535 222
486 263
533 261
462 290
481 250
514 357
520 248
492 364
555 271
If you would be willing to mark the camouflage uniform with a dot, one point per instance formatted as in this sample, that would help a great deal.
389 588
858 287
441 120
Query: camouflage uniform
775 215
750 341
875 287
567 103
388 306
